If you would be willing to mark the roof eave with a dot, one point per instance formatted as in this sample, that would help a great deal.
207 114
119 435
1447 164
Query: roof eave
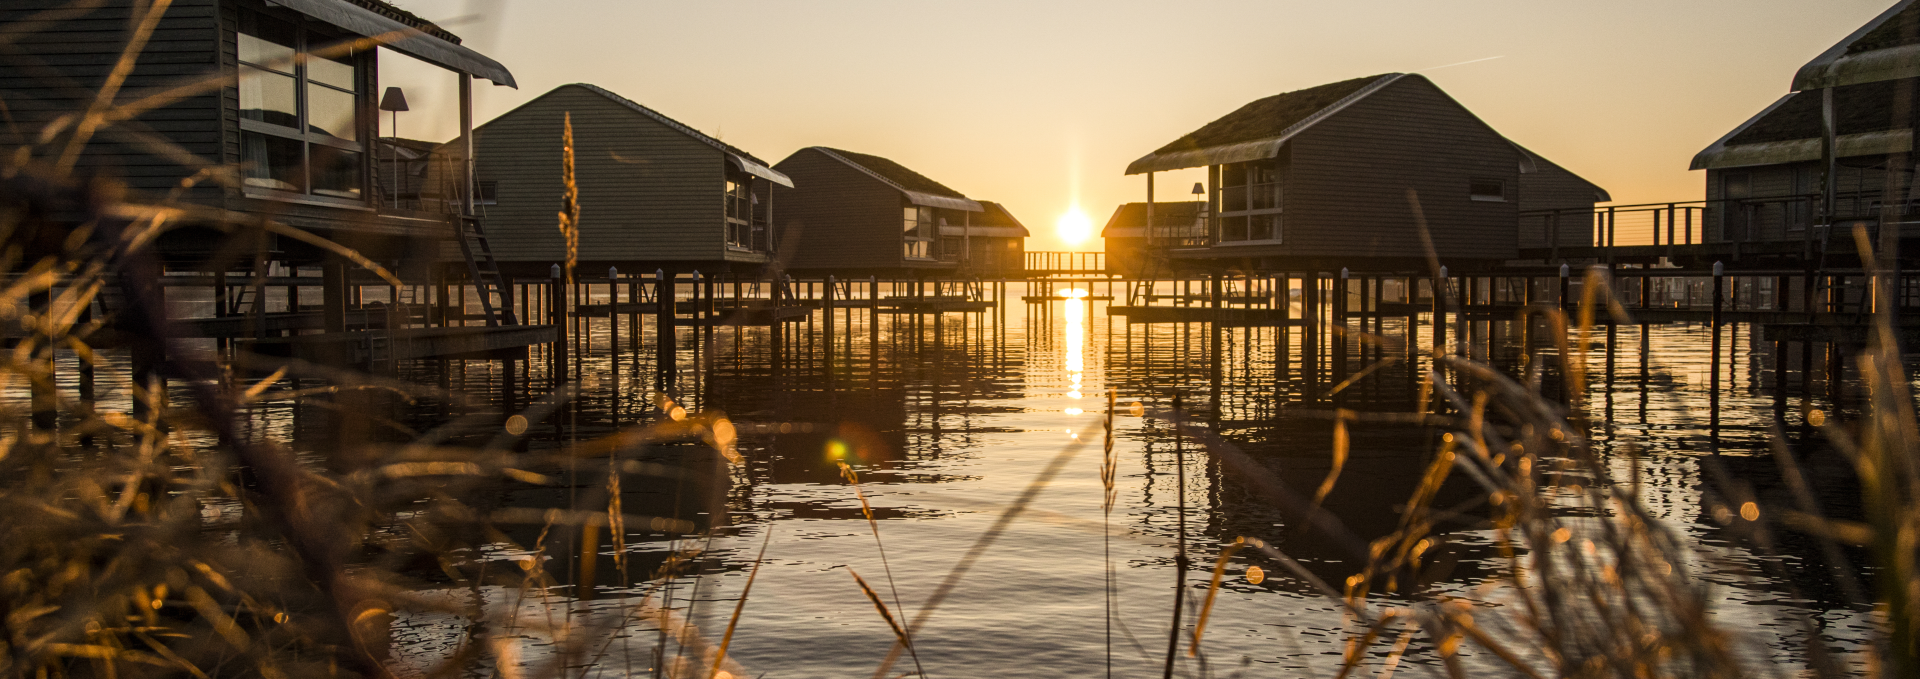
402 38
1835 67
1720 145
1892 63
1216 155
1801 150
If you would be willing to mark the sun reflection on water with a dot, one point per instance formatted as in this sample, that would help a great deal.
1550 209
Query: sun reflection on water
1076 340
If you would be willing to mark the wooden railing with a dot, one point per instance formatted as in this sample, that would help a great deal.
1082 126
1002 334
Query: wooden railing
1043 261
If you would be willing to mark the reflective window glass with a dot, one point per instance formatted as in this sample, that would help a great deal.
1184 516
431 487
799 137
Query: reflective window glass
268 97
336 73
266 41
271 162
331 112
336 172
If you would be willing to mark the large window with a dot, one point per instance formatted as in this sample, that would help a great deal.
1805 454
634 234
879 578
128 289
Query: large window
739 202
300 103
917 235
1250 202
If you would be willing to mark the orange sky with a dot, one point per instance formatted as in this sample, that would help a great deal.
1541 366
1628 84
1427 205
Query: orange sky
1040 105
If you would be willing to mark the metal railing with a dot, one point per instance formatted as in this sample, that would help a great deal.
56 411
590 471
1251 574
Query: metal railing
1745 220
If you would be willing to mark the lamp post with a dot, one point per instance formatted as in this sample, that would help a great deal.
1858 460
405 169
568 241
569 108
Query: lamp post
395 101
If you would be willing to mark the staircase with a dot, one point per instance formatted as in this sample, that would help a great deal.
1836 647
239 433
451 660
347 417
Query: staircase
495 298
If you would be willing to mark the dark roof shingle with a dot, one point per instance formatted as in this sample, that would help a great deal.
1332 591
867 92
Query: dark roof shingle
1269 117
897 173
1867 107
1134 215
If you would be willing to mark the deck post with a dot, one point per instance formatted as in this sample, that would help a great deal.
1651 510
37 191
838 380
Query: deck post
333 295
557 315
613 315
1310 336
1566 284
1440 313
1340 320
664 339
826 323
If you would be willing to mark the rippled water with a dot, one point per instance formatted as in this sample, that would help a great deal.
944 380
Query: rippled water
951 418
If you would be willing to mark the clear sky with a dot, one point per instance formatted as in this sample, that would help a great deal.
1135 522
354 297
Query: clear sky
1040 104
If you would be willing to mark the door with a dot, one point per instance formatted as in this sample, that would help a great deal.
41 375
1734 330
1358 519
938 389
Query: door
1736 214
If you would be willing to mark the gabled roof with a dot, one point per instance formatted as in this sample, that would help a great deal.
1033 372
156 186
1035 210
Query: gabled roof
740 159
1530 162
918 188
1788 130
1886 48
997 222
1257 130
1129 220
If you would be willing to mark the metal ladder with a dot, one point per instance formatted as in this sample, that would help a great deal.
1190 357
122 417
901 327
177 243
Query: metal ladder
485 272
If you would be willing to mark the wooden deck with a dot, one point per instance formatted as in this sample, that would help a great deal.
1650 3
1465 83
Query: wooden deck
370 349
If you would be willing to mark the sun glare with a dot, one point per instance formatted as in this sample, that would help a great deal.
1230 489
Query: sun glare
1073 228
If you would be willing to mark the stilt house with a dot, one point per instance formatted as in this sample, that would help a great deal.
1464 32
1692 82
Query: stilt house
654 192
288 137
992 244
1821 153
855 212
1341 175
1178 224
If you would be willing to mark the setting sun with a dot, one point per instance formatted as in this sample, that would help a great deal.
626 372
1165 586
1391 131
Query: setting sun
1073 228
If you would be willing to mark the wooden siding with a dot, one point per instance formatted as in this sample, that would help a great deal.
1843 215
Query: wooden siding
55 68
1551 187
1772 217
647 191
836 216
1346 195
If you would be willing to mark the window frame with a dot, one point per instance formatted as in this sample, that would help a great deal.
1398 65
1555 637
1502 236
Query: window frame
305 35
1236 182
1475 196
737 199
922 234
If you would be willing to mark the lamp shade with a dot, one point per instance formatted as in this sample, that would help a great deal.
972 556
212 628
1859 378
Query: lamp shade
394 100
1198 189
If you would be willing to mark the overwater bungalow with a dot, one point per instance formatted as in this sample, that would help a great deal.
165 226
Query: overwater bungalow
1176 224
858 214
1343 175
1841 119
993 243
655 193
275 121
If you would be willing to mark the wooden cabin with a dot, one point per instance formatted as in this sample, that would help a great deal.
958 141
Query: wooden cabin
852 212
1328 176
1176 224
654 192
1765 177
991 245
286 131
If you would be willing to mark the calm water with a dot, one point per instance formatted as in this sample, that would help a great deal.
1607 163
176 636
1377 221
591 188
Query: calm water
950 417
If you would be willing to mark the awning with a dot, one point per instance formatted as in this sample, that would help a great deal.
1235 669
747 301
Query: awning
759 170
402 38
